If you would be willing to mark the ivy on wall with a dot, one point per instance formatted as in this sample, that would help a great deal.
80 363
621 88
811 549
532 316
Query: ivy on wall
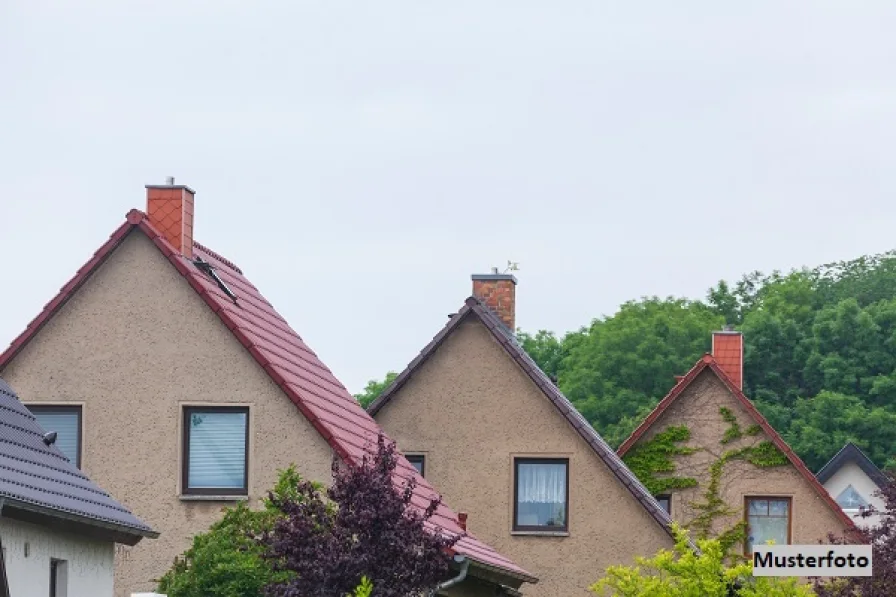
654 457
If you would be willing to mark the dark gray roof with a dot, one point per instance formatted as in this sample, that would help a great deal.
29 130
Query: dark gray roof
851 453
38 480
506 338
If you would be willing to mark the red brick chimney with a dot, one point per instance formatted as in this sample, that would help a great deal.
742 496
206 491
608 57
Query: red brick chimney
170 209
498 292
728 351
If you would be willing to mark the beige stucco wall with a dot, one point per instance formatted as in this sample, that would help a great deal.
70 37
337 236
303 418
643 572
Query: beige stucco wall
852 474
698 409
134 346
471 410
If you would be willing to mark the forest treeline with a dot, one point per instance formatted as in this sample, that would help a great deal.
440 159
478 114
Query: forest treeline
820 355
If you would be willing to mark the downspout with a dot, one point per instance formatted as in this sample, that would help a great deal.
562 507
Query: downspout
464 566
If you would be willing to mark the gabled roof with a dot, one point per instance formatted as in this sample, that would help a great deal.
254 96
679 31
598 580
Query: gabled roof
708 362
290 363
852 453
474 308
38 479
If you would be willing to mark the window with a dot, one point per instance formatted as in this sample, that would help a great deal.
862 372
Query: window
767 519
66 422
541 494
58 578
216 455
849 499
418 461
665 502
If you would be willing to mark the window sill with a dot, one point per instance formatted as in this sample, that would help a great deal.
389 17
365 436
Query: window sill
213 498
540 533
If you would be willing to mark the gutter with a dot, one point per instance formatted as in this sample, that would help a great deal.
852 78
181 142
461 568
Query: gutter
464 566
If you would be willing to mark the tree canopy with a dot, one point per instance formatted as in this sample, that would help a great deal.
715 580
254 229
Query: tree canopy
820 355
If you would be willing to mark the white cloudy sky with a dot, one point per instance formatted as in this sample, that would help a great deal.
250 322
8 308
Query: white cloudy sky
360 160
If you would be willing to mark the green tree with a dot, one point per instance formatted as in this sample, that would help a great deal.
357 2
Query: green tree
545 349
681 572
374 388
226 561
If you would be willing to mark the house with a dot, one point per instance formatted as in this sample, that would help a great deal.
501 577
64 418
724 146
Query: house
854 482
721 469
58 529
486 425
185 391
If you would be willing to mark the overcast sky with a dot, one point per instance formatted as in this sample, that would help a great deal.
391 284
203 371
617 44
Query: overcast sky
359 160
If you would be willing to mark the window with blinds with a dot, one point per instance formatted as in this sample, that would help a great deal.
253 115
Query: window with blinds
216 456
66 422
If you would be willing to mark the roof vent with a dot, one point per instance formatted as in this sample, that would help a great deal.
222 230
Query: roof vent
50 438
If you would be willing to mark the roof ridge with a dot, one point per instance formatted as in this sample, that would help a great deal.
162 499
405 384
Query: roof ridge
708 362
218 256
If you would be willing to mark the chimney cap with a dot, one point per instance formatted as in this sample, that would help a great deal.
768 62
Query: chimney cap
728 328
169 184
493 277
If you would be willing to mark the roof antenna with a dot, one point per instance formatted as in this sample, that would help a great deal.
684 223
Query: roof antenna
169 180
512 266
50 438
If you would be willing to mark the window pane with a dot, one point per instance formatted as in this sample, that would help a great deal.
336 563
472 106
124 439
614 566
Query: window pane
777 508
541 494
417 463
217 450
851 499
759 507
67 428
763 528
666 503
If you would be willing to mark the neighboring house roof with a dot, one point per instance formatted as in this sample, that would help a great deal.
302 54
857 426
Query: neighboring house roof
38 479
473 307
708 362
290 363
852 453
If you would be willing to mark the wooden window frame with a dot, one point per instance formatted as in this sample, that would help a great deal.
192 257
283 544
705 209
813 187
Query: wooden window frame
516 488
421 458
667 497
777 498
63 409
188 412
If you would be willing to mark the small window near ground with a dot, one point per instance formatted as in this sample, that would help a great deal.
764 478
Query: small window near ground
665 502
418 461
216 451
541 494
850 499
66 422
58 578
768 519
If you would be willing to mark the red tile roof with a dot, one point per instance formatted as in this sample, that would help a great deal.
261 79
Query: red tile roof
292 365
708 362
473 307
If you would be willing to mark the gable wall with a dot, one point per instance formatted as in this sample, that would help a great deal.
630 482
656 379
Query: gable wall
698 409
135 345
851 474
470 410
88 568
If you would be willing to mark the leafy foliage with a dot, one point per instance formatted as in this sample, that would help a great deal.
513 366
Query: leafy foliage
373 532
882 538
655 457
682 573
227 560
374 388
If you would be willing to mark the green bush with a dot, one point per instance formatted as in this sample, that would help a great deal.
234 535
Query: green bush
681 572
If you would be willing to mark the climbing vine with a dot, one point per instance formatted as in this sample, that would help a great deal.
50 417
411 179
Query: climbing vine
655 457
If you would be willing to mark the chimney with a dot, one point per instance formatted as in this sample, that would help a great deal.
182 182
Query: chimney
498 292
728 351
462 520
170 209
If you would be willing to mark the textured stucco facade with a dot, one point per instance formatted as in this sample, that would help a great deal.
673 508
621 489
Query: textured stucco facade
852 474
88 568
134 346
698 408
471 410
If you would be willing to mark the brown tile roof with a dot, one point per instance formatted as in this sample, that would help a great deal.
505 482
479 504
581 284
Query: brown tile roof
290 363
708 362
474 308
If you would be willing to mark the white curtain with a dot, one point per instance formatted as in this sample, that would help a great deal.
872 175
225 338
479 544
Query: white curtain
542 483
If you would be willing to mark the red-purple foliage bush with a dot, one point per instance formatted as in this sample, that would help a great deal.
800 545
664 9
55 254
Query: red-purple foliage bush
365 526
882 538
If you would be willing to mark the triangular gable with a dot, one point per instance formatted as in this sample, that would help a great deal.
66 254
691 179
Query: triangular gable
708 362
504 336
290 363
852 453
